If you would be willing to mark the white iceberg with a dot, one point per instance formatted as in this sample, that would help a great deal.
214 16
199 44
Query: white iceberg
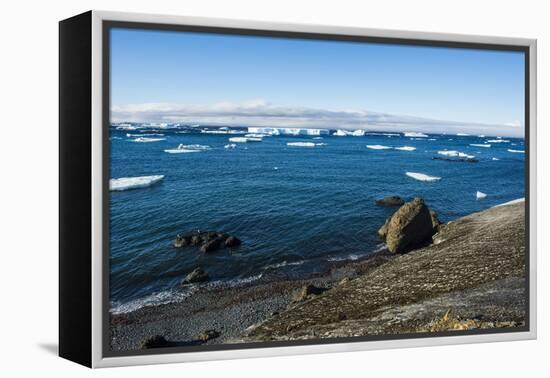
144 135
127 183
497 141
462 134
405 148
358 132
516 151
413 134
422 176
480 195
147 140
244 140
457 154
480 145
305 144
378 147
341 133
187 148
495 159
255 135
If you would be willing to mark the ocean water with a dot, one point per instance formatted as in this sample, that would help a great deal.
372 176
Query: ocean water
298 210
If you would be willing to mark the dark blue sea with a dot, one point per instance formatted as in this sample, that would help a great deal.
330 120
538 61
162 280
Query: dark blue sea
298 210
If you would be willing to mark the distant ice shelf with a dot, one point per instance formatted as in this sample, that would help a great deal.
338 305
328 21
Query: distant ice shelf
287 131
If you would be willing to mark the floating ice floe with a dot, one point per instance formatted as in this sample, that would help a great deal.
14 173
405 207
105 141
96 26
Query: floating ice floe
256 135
456 154
516 151
495 159
231 145
422 176
143 135
497 141
378 147
305 144
127 183
187 148
413 134
480 145
126 127
147 140
406 148
480 195
244 139
462 134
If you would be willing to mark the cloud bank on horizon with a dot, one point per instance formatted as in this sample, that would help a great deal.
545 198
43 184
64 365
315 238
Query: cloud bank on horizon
259 112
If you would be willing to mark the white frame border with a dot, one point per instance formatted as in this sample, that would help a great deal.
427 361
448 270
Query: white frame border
97 184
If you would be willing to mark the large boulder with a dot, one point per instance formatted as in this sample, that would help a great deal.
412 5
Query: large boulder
197 275
390 201
409 227
307 291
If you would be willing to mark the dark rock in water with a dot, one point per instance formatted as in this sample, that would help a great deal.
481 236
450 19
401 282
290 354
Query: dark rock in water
307 291
182 241
207 241
198 275
209 335
390 201
211 245
410 227
196 239
156 341
232 242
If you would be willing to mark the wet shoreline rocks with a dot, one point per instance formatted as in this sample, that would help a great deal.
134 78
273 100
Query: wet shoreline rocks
411 226
197 275
207 241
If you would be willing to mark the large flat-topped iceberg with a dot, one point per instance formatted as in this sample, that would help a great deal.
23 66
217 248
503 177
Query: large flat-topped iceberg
287 131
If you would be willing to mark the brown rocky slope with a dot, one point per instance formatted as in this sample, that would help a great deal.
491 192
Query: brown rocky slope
472 276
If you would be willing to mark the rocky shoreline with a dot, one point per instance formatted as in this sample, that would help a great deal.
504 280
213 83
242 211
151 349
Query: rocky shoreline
471 276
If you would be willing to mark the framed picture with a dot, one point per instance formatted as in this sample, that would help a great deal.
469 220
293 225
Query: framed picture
232 189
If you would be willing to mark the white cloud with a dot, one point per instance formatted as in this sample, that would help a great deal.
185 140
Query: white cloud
259 112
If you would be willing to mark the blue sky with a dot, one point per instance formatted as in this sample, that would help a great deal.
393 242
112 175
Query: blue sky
180 76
